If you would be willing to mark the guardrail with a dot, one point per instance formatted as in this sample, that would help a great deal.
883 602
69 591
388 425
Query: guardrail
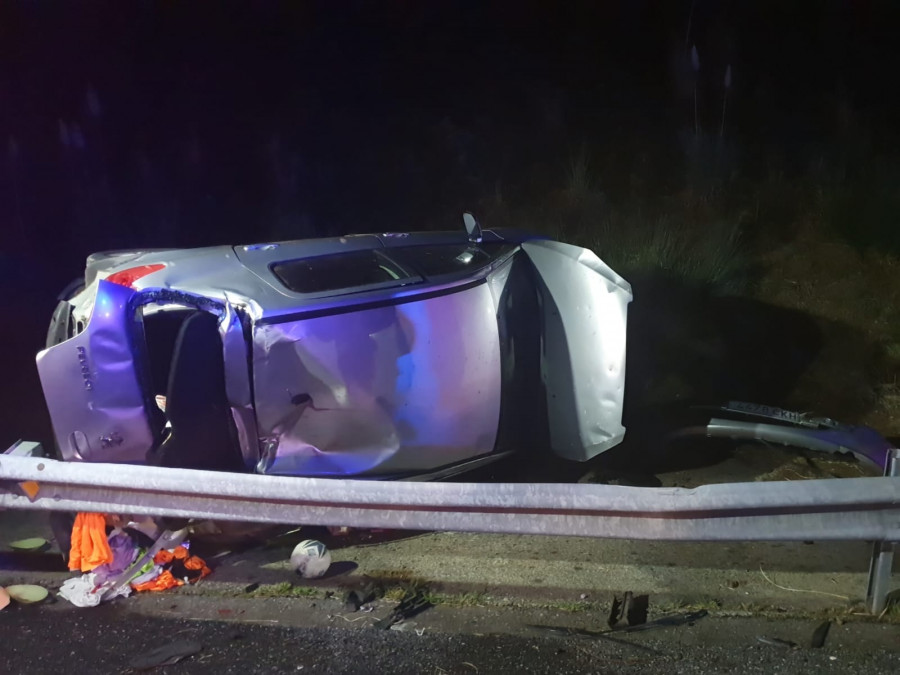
820 510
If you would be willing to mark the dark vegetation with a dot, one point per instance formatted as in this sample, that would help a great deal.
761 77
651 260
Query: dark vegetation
736 161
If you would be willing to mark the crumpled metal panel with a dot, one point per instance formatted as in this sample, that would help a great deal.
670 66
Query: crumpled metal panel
92 389
584 311
390 389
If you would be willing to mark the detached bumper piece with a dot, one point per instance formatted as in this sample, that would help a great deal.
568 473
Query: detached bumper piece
751 421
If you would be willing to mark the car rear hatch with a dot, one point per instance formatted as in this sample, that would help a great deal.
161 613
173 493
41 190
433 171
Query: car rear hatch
91 385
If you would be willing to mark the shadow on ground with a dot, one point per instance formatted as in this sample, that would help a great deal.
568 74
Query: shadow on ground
688 346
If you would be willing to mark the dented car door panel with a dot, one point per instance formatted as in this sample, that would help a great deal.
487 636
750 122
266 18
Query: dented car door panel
402 387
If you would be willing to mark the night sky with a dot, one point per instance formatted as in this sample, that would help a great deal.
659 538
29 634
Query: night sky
174 123
127 124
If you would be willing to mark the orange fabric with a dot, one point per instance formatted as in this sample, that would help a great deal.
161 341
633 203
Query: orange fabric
164 557
163 582
195 563
90 547
166 579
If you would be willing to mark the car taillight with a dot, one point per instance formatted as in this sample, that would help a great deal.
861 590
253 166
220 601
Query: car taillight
128 277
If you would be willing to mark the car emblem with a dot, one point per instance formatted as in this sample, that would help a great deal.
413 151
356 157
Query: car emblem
85 369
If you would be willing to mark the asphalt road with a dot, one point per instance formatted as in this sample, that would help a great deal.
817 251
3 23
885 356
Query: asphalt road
278 635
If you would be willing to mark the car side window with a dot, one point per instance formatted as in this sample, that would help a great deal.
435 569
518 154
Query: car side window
352 269
436 260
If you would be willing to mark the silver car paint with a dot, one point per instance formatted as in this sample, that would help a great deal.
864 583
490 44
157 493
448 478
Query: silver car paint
356 419
585 311
92 389
397 388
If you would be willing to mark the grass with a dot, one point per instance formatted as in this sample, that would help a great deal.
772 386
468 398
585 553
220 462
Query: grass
285 589
823 241
682 237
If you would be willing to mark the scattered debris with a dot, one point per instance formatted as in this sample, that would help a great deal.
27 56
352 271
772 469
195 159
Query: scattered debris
311 559
144 567
341 616
776 642
353 601
129 558
249 588
176 567
801 590
636 610
32 544
166 655
632 609
85 591
667 621
27 594
413 603
607 635
616 611
89 545
820 634
357 598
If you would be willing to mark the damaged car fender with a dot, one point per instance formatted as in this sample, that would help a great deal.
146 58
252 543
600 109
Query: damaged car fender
584 311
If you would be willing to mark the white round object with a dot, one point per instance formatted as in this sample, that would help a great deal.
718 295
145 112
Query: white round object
311 559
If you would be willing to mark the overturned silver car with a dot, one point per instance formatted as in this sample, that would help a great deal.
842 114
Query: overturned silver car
400 355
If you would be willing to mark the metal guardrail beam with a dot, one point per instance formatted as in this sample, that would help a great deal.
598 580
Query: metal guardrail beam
845 509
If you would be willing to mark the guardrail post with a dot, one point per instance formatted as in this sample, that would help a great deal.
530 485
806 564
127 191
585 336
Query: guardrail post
882 554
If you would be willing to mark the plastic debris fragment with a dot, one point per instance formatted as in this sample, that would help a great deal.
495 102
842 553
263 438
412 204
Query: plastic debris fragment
30 544
27 594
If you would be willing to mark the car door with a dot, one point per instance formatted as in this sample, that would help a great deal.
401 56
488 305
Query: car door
404 379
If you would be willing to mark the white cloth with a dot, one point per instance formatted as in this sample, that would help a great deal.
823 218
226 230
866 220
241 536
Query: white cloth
83 591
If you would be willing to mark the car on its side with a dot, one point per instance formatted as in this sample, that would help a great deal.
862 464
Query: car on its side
398 355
